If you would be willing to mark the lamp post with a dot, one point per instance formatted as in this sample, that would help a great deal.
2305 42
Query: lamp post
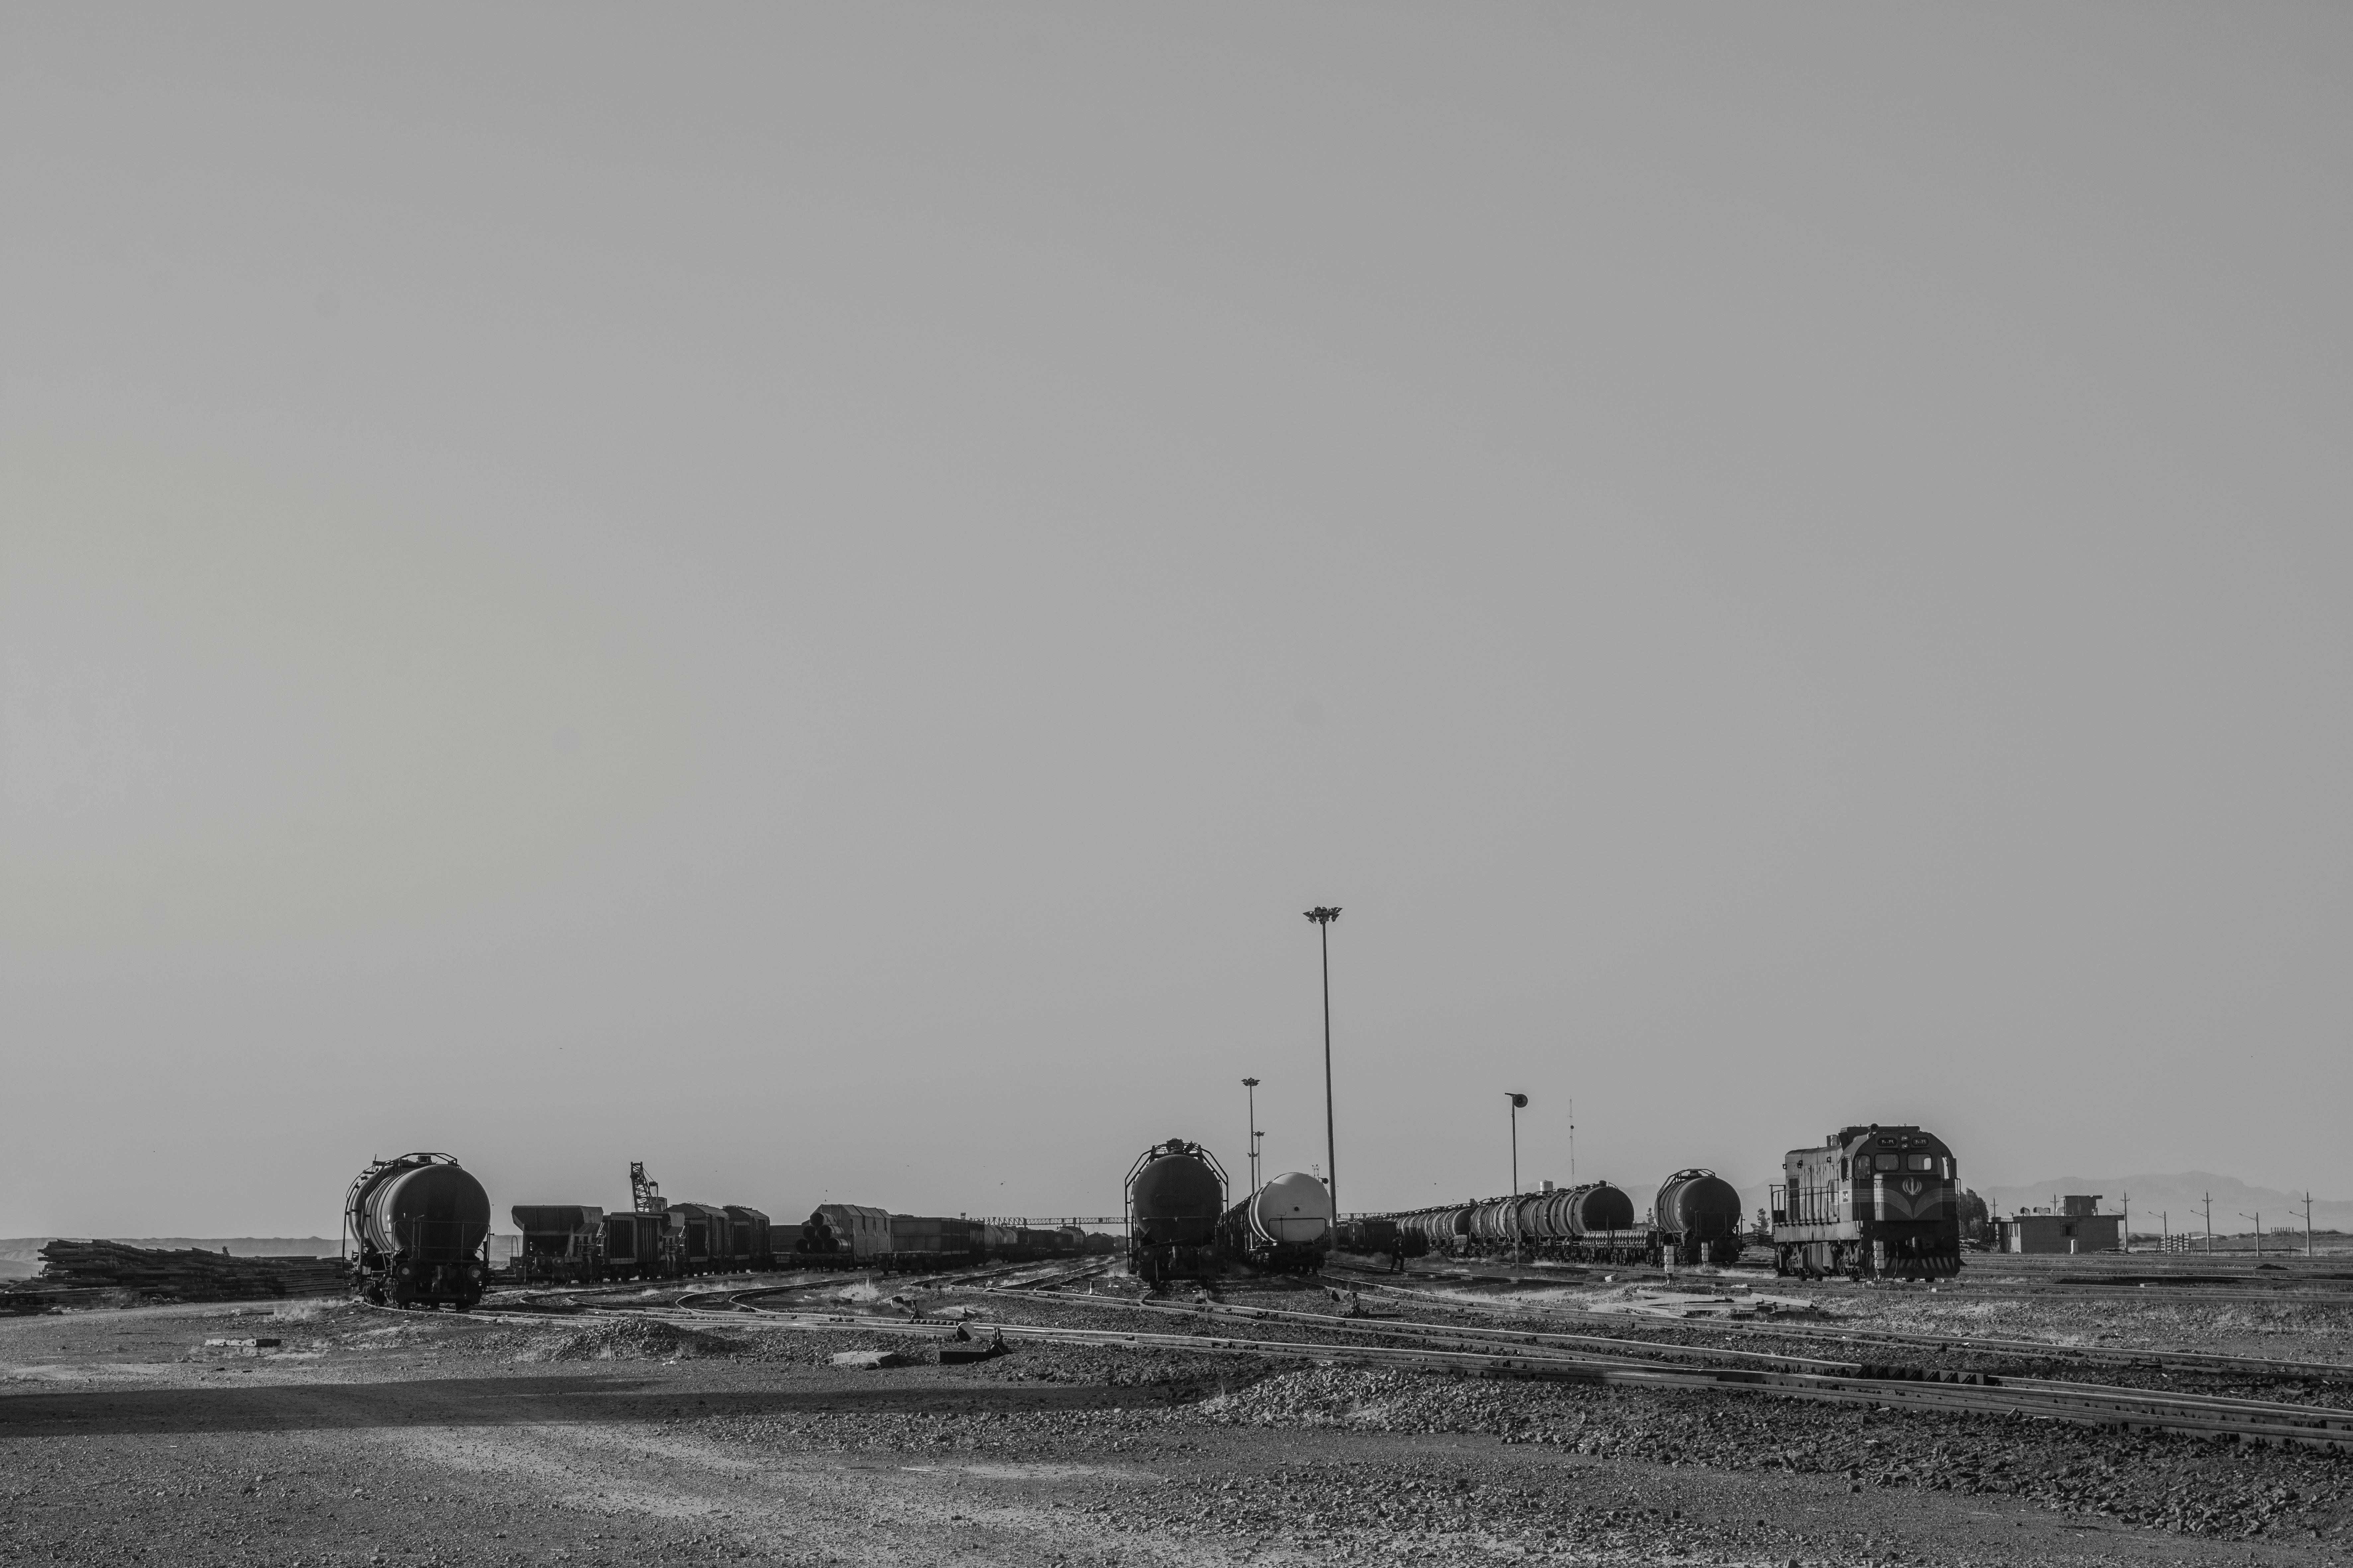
1517 1100
1324 918
1249 1086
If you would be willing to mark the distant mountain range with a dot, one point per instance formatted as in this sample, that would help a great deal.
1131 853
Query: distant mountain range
2179 1198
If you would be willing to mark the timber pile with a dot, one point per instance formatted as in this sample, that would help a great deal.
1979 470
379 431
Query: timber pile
190 1274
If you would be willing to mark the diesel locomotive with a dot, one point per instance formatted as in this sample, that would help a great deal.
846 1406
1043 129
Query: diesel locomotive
418 1228
1869 1202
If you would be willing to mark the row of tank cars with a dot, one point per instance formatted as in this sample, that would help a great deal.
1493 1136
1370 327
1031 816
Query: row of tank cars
1695 1218
418 1230
1876 1202
1869 1202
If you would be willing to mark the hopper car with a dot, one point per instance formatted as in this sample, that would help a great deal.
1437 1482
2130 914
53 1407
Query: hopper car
562 1243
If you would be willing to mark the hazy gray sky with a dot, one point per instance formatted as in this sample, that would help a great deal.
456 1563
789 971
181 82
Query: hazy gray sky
806 594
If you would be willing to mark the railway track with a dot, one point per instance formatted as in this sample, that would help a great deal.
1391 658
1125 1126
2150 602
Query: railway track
2161 1291
1979 1281
1436 1348
962 1277
563 1298
1582 1358
2093 1355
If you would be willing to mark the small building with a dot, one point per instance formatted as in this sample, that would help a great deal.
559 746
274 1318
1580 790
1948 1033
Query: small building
2075 1225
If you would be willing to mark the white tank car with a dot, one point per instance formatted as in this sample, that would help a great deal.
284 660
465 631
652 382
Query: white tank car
1293 1210
1284 1227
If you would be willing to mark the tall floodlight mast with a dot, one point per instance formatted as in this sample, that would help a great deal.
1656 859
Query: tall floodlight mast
1324 918
1517 1100
1249 1086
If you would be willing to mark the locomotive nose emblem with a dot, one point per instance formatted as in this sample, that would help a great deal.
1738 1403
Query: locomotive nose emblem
1912 1187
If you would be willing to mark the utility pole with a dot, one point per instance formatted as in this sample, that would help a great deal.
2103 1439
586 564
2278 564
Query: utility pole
2308 1225
2258 1217
2164 1231
1324 918
1249 1086
2210 1225
2128 1222
1517 1100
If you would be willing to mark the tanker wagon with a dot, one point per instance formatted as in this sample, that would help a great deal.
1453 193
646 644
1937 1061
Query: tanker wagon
420 1229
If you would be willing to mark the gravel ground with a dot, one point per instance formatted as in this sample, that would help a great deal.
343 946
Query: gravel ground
370 1437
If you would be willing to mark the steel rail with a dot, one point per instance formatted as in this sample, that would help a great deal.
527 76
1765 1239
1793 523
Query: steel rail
2202 1361
2083 1404
2078 1404
909 1281
2307 1289
1401 1329
2327 1417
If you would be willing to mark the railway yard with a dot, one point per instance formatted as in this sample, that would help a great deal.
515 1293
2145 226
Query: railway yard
2100 1409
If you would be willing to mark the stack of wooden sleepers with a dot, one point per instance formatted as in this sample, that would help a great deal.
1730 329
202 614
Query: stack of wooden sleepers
78 1268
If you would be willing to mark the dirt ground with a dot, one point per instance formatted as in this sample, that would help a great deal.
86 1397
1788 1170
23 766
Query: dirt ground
372 1437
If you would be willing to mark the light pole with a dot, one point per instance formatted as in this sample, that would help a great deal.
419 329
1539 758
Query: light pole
1250 1086
1517 1100
1324 918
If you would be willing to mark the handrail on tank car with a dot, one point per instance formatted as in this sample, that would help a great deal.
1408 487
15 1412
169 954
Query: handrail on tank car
1177 1146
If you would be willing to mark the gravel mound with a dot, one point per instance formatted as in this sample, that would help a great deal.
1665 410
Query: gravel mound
2189 1484
630 1339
